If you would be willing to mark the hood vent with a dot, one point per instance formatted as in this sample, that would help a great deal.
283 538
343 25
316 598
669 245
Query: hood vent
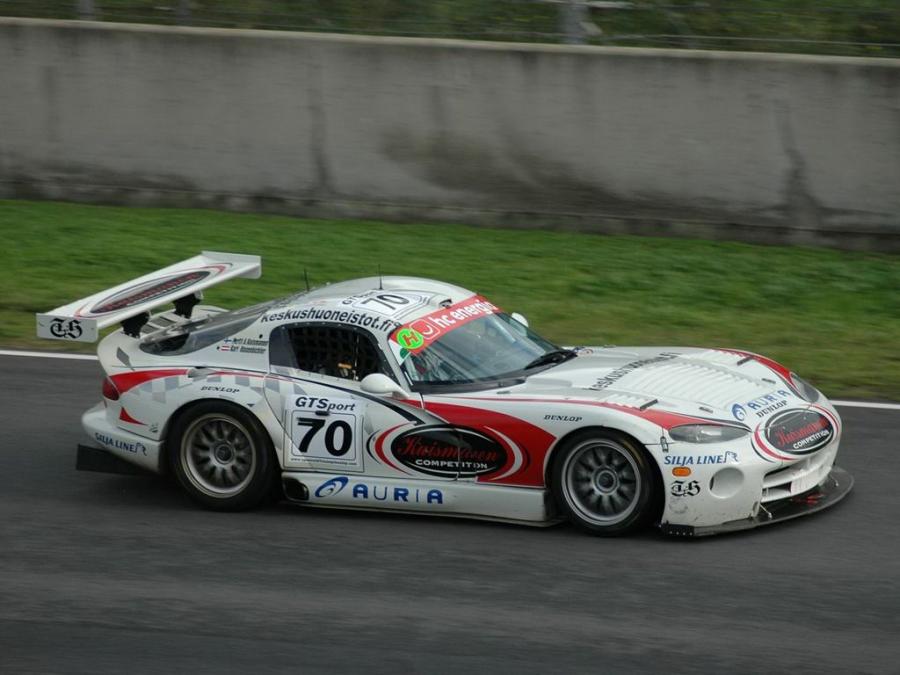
691 380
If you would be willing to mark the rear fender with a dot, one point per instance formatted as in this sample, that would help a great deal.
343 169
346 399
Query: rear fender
259 410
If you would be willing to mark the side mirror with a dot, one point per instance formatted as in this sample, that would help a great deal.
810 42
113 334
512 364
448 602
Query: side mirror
521 319
381 385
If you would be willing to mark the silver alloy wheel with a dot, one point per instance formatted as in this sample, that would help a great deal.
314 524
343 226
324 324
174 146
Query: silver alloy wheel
601 481
217 455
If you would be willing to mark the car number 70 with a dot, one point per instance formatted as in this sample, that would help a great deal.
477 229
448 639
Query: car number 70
331 435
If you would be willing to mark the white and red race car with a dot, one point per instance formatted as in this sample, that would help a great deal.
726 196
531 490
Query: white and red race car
413 395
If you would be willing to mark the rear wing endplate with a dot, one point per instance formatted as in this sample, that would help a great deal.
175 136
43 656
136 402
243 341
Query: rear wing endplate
82 320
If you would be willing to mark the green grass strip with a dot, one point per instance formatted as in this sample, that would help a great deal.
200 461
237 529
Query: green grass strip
832 316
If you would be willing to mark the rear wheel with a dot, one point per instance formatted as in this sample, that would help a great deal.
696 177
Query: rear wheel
604 482
221 456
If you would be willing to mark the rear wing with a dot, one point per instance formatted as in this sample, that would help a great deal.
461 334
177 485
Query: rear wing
129 303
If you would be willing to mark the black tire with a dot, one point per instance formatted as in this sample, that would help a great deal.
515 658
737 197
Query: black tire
605 482
221 456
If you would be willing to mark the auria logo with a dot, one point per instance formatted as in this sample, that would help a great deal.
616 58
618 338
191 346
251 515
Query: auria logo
379 493
332 487
738 411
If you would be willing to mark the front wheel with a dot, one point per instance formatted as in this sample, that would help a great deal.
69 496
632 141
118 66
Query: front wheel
604 482
222 456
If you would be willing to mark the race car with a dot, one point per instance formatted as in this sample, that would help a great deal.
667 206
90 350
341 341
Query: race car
407 394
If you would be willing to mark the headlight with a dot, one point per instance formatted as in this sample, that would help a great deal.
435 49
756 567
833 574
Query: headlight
706 433
806 390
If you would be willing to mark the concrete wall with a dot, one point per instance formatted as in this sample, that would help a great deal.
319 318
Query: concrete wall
754 146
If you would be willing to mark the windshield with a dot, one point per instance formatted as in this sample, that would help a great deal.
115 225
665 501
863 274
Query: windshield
492 347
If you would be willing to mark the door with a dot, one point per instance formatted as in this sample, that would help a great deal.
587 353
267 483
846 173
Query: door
330 424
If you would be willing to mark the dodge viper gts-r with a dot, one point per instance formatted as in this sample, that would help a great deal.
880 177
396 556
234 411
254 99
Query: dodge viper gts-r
409 394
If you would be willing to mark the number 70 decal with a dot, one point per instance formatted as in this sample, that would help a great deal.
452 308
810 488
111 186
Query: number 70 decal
323 439
389 303
338 435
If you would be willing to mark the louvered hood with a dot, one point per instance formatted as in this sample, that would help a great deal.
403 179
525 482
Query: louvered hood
694 381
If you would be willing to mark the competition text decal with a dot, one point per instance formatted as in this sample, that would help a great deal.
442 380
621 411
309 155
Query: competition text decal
449 451
799 433
417 335
794 433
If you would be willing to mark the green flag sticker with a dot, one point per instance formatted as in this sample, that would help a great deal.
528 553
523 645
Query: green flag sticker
410 339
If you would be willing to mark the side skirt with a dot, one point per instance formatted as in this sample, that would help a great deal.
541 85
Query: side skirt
527 506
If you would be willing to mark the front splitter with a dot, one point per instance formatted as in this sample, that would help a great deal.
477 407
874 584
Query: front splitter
833 489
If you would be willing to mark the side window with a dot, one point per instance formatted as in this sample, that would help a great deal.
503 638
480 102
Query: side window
328 350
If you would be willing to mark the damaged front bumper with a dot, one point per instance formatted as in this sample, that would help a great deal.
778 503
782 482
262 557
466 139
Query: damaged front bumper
833 489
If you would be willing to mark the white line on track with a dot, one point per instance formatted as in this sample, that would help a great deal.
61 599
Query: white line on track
866 404
91 357
49 355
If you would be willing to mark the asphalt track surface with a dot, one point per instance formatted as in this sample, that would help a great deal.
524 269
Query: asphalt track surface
114 574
